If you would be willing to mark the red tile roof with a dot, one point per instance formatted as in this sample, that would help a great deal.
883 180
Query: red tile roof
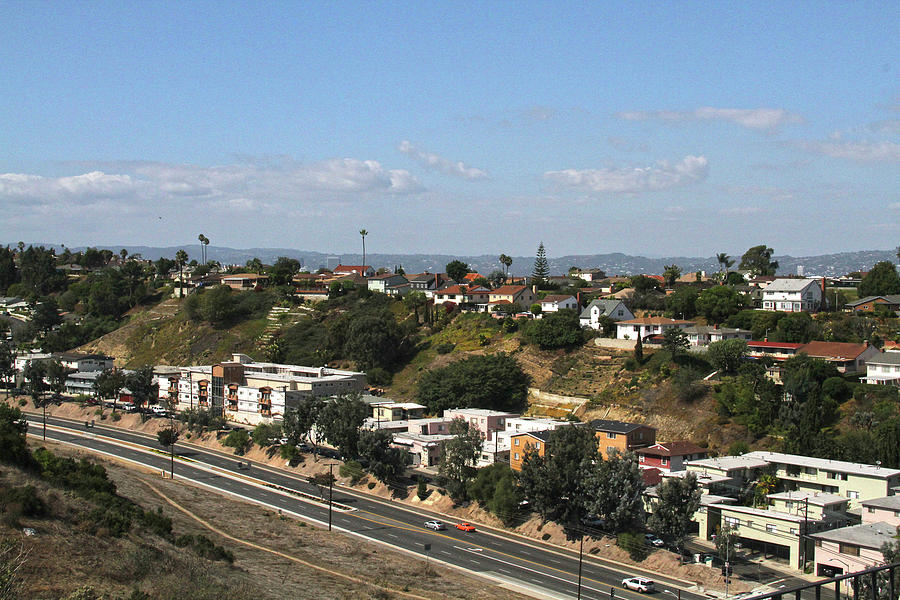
767 344
834 349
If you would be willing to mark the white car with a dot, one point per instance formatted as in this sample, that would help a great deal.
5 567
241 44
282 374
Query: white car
436 525
653 540
158 410
639 584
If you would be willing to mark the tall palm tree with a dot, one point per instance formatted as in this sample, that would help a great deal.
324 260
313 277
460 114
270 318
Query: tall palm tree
725 261
204 242
364 233
181 258
506 261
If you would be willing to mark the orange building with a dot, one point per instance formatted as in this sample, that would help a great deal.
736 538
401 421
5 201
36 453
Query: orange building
622 436
521 443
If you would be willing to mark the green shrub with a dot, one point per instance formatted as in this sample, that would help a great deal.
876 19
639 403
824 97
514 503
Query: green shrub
22 401
379 376
238 439
422 489
23 501
116 416
630 364
371 485
444 348
634 544
353 470
264 433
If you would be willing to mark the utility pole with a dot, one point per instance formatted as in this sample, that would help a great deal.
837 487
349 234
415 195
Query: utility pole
580 560
330 491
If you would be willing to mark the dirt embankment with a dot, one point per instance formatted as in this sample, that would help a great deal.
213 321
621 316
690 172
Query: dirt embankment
659 561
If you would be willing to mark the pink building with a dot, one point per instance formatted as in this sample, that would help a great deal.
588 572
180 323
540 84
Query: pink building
486 421
858 547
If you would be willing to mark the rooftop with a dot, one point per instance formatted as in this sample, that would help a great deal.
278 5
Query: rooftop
871 535
789 285
824 463
544 436
672 449
616 426
656 321
834 349
768 344
480 412
814 498
885 358
760 512
729 463
557 298
508 290
887 503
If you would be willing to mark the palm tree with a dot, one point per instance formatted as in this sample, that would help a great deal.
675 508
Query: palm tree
181 258
725 261
204 242
506 261
364 233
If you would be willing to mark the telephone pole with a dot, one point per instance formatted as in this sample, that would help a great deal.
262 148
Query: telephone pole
330 491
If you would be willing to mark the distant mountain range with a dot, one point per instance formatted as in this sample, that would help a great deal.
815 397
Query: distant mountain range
613 264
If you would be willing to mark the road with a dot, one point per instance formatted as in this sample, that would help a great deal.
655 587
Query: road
527 566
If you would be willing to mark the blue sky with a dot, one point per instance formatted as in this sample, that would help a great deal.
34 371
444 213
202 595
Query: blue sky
675 128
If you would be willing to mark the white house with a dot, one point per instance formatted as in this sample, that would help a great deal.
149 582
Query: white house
704 335
793 295
361 270
883 369
381 283
647 326
556 302
611 308
461 294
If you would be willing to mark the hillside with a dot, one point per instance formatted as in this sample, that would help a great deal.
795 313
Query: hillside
588 381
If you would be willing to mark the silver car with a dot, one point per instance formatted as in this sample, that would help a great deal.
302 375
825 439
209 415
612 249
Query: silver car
436 525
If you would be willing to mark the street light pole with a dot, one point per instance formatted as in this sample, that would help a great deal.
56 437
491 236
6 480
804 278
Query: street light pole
580 560
330 491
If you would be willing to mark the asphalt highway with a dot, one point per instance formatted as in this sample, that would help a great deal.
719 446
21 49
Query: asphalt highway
527 566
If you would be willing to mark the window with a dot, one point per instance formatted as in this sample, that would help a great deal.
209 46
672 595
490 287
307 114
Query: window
537 445
853 494
665 461
517 455
871 509
517 442
610 436
610 449
771 528
793 531
732 522
849 549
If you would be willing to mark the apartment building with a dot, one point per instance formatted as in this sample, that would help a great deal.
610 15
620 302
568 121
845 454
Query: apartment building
621 436
247 391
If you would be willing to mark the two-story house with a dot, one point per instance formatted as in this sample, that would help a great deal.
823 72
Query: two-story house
555 302
704 335
793 295
461 295
883 369
612 309
621 436
522 443
669 456
381 283
513 294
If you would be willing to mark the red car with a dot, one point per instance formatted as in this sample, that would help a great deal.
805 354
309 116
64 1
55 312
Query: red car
465 526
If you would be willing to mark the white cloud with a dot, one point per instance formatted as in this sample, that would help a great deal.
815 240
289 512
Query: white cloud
239 185
860 151
663 175
435 162
759 119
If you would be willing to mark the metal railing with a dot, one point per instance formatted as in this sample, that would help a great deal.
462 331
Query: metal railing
874 583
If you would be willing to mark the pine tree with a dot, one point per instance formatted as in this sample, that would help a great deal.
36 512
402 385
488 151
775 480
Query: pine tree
541 267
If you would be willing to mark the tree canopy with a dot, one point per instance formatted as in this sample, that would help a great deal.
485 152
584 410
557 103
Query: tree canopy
457 270
880 281
493 381
541 270
561 329
718 303
758 260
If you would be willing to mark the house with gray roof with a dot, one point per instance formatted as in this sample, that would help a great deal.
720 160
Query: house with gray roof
610 308
883 369
793 295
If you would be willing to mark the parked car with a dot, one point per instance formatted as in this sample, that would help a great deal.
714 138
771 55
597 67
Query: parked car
436 525
158 410
128 406
653 540
639 584
465 526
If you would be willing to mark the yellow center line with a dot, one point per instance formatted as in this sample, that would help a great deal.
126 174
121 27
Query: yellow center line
405 527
